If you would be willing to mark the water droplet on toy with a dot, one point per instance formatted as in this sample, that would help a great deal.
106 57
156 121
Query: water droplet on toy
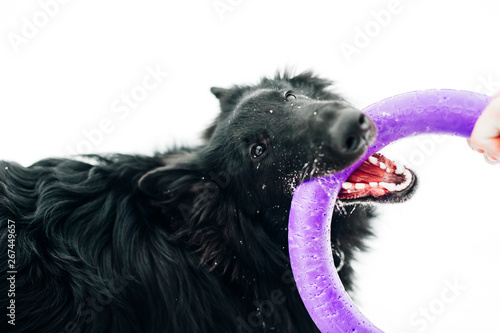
470 112
271 111
315 113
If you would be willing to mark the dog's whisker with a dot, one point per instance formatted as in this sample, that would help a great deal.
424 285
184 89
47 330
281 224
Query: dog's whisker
314 168
340 207
303 172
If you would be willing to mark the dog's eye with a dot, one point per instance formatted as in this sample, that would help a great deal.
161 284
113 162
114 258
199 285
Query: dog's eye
257 150
289 96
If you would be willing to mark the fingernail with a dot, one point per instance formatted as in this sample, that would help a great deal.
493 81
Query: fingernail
490 159
473 147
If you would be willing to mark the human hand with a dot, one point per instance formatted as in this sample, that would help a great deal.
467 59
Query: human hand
485 137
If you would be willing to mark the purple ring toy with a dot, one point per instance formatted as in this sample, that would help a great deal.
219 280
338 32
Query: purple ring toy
419 112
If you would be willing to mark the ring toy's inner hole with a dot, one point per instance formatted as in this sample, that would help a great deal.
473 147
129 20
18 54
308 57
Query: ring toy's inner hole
420 112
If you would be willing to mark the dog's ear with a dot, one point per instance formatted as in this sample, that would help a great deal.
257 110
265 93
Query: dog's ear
220 92
228 99
172 181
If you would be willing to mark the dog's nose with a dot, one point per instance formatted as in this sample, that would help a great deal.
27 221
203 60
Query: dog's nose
350 130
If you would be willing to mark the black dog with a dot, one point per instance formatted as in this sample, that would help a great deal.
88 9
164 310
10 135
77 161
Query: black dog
191 240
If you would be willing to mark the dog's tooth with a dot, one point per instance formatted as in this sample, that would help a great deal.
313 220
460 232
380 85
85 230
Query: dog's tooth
373 160
405 185
373 184
407 175
389 186
382 166
400 187
399 168
407 182
408 178
346 185
359 186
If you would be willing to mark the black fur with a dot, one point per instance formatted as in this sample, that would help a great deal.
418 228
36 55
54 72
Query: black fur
191 240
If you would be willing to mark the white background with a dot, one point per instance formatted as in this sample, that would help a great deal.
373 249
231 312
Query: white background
64 78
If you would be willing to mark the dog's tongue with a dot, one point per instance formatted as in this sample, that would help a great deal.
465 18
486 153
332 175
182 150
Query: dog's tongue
376 177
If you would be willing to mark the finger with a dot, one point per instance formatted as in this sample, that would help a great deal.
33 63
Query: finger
487 125
492 146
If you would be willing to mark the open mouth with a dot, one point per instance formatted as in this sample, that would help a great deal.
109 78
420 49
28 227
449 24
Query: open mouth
378 178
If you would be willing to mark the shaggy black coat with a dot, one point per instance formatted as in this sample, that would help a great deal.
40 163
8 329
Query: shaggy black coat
191 240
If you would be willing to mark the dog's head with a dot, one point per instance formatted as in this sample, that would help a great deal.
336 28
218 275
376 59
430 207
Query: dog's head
270 137
290 126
